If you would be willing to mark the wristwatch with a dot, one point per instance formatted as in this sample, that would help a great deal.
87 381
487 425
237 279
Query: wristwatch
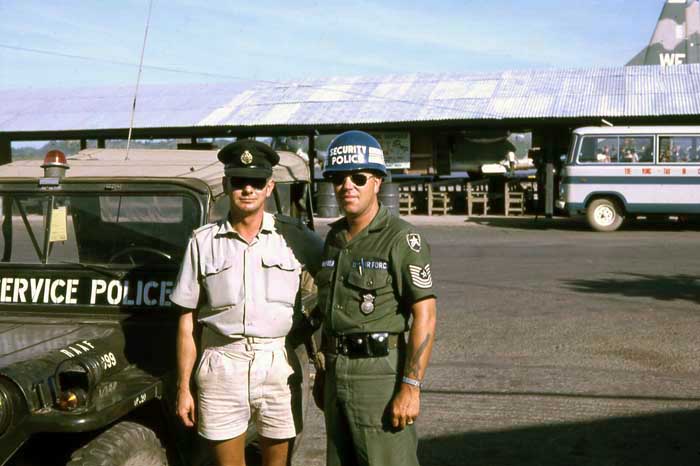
410 381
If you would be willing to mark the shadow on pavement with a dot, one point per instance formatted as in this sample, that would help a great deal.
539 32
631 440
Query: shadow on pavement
660 287
649 440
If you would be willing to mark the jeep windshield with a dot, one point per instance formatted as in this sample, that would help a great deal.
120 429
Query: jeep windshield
89 228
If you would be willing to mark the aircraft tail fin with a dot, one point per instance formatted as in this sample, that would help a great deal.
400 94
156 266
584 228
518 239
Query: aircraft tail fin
676 38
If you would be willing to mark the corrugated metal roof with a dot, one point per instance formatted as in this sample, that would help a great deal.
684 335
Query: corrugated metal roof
594 92
201 165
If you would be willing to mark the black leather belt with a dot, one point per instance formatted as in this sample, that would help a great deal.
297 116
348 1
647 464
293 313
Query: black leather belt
362 345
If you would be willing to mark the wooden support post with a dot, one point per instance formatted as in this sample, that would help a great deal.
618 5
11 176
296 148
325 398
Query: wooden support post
549 194
312 156
5 150
430 199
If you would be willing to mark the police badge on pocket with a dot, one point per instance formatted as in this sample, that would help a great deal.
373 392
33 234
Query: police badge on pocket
367 306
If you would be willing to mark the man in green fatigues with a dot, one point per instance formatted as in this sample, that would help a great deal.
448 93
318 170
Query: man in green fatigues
375 276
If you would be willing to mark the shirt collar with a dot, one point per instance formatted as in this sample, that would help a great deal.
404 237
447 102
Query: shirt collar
224 226
380 220
378 223
268 223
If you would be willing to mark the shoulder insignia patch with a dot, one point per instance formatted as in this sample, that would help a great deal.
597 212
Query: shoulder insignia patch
421 276
413 240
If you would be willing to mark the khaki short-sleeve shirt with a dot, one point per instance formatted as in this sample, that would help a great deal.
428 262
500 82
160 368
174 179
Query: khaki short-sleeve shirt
242 289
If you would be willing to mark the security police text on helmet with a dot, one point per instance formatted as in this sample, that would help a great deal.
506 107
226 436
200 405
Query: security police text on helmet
355 165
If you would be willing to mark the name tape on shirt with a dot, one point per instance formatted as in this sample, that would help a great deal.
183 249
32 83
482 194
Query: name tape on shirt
370 264
421 276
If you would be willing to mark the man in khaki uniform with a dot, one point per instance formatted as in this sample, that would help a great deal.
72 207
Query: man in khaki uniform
375 275
240 280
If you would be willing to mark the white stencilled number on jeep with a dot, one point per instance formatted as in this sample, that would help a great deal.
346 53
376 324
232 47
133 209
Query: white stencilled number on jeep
108 361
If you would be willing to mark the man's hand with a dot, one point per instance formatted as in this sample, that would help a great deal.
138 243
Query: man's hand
184 408
405 406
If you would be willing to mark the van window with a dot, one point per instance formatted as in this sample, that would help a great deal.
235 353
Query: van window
616 149
637 149
679 149
597 149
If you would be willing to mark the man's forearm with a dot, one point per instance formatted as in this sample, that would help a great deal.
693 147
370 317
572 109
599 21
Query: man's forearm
420 339
186 350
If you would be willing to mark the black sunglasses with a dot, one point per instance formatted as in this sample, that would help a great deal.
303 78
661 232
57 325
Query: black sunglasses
358 179
237 182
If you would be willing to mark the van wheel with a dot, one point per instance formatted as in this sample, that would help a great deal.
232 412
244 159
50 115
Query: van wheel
604 215
125 444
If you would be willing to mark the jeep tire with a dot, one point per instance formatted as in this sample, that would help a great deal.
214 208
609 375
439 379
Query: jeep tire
124 444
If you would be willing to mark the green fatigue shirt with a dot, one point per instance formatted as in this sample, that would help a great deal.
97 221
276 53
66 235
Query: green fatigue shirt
247 289
369 283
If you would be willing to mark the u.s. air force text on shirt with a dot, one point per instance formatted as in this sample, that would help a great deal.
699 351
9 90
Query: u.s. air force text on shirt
369 283
246 289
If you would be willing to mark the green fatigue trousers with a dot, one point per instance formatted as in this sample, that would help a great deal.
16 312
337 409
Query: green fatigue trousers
357 404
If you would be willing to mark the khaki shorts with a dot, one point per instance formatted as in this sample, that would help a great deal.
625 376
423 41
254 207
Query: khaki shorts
242 380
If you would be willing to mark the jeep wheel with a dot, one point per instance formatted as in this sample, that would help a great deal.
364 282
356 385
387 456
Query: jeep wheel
125 444
604 215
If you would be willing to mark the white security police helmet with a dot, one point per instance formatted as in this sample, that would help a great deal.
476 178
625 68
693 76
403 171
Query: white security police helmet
354 151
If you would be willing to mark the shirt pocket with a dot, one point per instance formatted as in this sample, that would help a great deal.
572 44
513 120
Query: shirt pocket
282 275
371 288
223 284
370 280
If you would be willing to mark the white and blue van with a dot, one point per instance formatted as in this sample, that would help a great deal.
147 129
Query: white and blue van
615 172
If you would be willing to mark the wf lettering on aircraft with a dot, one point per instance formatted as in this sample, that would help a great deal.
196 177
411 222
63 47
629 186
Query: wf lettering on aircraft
670 59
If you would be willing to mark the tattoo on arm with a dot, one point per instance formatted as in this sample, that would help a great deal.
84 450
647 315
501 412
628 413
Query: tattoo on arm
413 366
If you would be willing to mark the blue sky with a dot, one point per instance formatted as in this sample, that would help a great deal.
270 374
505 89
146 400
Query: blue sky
70 43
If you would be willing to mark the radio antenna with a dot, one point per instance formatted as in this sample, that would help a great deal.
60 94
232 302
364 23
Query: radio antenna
138 80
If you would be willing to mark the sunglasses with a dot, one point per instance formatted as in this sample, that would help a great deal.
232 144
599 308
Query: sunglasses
358 179
240 183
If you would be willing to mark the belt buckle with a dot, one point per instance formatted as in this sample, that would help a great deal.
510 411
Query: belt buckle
378 344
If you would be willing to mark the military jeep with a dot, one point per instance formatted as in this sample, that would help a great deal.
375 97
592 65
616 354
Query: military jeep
91 247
